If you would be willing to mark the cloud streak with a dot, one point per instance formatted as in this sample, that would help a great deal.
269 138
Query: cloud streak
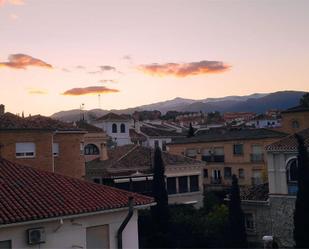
184 69
107 68
108 81
91 90
12 2
23 61
37 92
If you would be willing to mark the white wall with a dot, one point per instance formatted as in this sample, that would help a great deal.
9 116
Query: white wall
72 234
120 138
277 175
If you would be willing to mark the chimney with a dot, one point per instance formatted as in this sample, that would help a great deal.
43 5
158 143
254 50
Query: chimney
103 154
2 109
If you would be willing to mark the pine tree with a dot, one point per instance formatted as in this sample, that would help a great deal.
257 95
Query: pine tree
301 214
191 131
237 230
160 212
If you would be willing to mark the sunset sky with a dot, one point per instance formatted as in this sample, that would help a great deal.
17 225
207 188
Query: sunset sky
57 54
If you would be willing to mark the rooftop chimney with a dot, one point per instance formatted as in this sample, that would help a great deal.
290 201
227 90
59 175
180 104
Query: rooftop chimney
2 109
103 154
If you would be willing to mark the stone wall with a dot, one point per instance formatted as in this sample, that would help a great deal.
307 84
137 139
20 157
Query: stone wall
282 210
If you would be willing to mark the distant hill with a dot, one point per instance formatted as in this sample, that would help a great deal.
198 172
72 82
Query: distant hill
257 102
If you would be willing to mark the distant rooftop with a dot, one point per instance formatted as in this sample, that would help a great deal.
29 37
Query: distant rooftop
113 117
133 158
228 135
9 121
155 132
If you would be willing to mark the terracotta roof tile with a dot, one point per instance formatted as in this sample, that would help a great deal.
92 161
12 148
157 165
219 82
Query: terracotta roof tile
254 193
228 135
130 157
154 132
289 143
113 117
30 194
9 121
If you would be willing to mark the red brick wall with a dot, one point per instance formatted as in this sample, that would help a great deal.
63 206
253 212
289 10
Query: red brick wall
42 140
69 162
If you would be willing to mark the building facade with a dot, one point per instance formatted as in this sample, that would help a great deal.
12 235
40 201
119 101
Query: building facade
115 126
295 119
40 209
43 143
228 152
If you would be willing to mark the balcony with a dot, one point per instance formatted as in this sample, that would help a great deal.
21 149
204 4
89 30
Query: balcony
213 158
257 158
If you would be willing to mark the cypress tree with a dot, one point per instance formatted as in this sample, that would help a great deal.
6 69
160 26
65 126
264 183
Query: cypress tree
237 230
191 131
160 212
301 214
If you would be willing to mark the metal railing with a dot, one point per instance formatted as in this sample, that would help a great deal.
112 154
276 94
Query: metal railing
213 158
257 158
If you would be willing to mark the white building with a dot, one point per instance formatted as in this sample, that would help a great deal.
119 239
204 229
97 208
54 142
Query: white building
44 210
116 126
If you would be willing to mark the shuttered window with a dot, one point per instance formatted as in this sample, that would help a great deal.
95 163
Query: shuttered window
25 150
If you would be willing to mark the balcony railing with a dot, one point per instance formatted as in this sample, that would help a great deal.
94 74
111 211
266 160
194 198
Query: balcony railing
213 158
256 180
257 158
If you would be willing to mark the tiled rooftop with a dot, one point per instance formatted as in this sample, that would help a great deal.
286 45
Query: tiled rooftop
154 132
254 193
9 121
113 117
132 158
289 143
30 194
88 127
228 135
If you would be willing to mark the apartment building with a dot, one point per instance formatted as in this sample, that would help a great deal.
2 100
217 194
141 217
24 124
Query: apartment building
130 167
228 152
43 143
295 119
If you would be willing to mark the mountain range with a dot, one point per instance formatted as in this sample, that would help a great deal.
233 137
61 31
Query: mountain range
257 102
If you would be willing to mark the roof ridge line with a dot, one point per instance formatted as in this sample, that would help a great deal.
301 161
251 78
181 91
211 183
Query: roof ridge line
135 146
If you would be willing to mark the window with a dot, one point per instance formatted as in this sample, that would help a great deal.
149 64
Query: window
163 145
183 184
241 173
55 149
249 221
191 153
295 124
114 128
81 148
91 149
238 149
292 171
227 172
97 237
122 128
25 150
257 153
171 185
194 186
6 244
205 173
156 143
